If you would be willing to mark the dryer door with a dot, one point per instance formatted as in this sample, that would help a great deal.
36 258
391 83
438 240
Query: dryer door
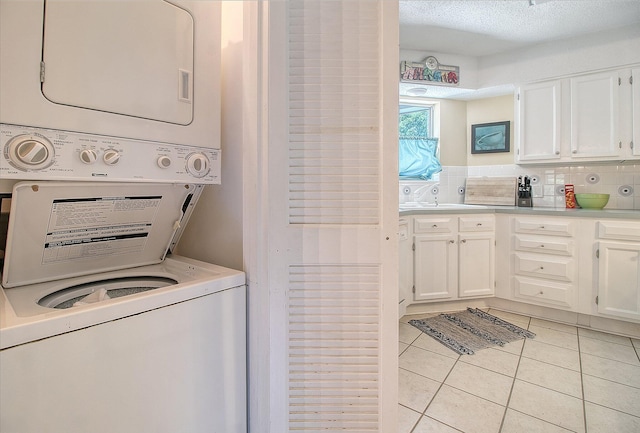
134 58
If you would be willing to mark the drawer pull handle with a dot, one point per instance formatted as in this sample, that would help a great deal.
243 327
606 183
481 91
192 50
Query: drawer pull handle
542 227
542 246
479 225
464 241
541 292
451 241
541 268
435 226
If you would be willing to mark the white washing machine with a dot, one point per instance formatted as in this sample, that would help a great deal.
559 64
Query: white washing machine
101 330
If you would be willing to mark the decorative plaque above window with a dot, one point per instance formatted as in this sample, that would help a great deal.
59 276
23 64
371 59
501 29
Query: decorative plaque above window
430 71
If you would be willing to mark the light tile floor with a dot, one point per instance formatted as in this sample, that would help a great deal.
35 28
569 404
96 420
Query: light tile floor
567 379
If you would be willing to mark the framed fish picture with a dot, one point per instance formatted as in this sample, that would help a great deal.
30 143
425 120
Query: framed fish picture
490 137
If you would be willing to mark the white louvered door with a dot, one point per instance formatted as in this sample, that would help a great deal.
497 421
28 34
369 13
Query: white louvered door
332 215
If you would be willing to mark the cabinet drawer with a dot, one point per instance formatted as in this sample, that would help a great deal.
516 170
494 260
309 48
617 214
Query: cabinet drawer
552 227
544 244
544 292
434 225
621 230
551 267
477 223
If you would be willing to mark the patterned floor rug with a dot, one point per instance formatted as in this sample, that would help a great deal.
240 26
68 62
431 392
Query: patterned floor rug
470 330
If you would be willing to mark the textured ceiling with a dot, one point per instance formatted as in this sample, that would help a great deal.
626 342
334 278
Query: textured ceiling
480 28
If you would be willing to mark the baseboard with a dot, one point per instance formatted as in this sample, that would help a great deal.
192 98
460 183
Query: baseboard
596 323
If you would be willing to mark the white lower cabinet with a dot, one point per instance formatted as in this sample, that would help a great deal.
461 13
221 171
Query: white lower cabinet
405 283
576 264
544 266
618 257
476 264
435 267
454 256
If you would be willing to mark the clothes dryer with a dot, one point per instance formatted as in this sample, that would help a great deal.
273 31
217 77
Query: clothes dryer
140 70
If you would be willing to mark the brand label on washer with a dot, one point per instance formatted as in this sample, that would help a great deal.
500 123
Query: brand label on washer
90 227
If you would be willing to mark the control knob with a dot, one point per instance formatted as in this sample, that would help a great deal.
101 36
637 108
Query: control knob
164 161
29 152
111 157
198 164
88 156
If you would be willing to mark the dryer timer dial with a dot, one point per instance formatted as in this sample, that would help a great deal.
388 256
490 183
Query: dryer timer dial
29 152
198 164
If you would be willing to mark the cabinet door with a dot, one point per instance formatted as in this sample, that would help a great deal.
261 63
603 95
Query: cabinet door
435 267
635 110
594 115
476 273
619 279
405 267
538 127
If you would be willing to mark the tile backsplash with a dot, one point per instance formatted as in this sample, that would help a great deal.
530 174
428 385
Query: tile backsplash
621 181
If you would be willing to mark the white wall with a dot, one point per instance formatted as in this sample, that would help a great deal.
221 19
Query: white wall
619 47
614 48
498 109
214 233
453 136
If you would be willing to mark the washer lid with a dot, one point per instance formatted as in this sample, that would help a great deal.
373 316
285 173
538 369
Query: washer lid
65 229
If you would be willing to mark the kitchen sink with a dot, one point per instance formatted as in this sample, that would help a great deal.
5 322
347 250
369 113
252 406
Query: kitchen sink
414 205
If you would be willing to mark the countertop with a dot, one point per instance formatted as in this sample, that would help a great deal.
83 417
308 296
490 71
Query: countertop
465 209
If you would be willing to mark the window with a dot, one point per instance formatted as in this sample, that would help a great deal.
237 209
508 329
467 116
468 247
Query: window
416 121
418 142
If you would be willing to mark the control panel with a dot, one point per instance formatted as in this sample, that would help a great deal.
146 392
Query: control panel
35 153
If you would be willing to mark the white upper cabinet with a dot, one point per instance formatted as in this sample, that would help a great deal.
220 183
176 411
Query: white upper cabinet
629 113
594 115
634 144
590 117
538 121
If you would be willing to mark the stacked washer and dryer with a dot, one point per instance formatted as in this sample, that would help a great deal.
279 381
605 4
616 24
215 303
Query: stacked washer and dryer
109 131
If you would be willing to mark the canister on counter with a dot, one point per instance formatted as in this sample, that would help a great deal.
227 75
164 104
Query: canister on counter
570 197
